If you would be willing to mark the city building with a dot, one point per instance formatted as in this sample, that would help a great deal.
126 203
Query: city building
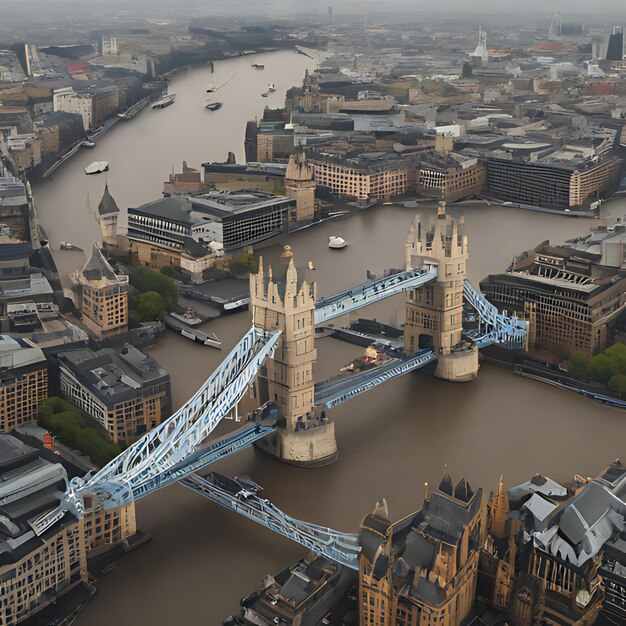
58 131
451 180
35 570
108 214
171 232
102 296
125 391
268 141
552 182
242 218
23 382
423 569
367 176
569 297
107 528
13 205
268 177
94 106
300 185
310 592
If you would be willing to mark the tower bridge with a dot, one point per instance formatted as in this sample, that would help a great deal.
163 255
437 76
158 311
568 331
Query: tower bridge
275 359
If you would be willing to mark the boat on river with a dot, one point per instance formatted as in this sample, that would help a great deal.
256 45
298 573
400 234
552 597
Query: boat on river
213 106
163 102
336 242
236 305
258 66
97 167
271 88
210 88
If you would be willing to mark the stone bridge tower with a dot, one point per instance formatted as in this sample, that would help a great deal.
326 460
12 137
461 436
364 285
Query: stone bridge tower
434 313
279 300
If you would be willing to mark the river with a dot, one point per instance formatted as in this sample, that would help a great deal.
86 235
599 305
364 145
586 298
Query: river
391 440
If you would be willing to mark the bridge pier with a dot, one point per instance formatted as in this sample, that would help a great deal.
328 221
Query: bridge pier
304 436
434 312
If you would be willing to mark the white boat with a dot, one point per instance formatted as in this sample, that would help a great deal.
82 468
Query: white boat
88 144
210 88
234 305
163 102
271 88
66 245
336 242
258 66
96 167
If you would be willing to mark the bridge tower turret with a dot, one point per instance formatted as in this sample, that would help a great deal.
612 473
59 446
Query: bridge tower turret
280 300
434 312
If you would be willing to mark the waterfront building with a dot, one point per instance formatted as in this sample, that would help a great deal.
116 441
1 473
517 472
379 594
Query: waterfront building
125 390
551 543
422 569
103 296
107 528
170 233
180 183
58 131
268 141
268 177
35 570
13 205
451 179
108 213
300 185
242 218
93 105
23 382
312 591
570 298
552 182
367 176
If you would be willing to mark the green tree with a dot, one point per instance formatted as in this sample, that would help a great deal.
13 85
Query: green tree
66 422
144 279
244 264
579 365
617 383
150 306
602 368
617 355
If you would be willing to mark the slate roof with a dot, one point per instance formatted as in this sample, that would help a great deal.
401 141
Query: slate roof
107 204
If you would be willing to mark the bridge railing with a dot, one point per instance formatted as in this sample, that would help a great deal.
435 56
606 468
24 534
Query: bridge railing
341 547
356 298
495 327
141 467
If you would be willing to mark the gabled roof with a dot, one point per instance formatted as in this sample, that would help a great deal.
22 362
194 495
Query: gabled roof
97 267
107 204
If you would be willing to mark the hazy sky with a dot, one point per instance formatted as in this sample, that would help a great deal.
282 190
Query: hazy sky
355 6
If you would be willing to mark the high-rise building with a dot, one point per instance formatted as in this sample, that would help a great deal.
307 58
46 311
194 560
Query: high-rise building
330 15
615 48
481 52
23 382
103 296
35 570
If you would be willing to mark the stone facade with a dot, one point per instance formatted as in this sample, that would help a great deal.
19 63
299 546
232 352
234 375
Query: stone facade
434 313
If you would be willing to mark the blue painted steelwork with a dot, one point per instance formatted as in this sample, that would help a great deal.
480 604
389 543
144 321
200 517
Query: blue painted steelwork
494 327
345 302
146 465
337 391
240 496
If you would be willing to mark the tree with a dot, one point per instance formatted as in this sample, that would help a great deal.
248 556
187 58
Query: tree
617 383
617 355
244 264
579 365
602 368
150 306
144 279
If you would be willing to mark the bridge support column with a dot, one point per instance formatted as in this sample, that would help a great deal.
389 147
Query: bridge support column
434 312
304 436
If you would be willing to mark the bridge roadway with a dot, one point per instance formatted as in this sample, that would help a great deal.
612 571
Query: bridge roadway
338 390
165 450
240 495
351 300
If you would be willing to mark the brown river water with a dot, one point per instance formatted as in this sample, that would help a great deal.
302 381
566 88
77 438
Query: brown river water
203 559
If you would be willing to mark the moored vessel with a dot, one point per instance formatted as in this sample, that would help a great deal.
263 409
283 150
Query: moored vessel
336 242
163 102
97 167
213 106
